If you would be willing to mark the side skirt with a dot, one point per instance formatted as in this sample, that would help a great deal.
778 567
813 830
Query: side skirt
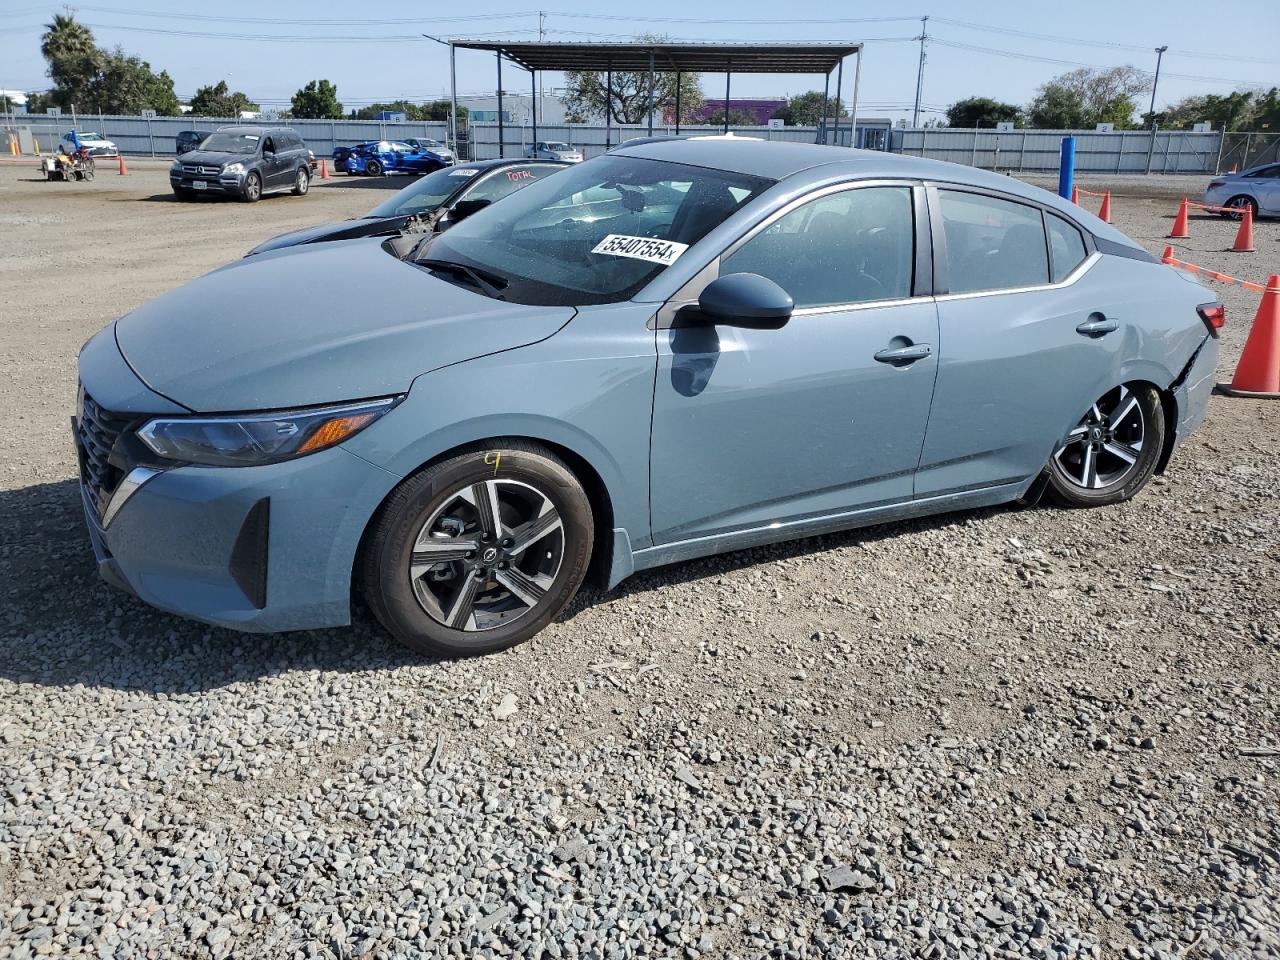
811 526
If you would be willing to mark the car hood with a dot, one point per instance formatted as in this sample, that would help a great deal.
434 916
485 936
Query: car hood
316 324
343 230
216 158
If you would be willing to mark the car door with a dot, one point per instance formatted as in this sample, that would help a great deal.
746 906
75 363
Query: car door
271 164
823 416
1028 342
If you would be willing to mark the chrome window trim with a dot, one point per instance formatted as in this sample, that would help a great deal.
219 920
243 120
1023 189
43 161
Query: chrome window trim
858 305
1084 266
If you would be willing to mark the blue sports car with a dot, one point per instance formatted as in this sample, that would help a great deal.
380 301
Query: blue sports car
392 156
341 154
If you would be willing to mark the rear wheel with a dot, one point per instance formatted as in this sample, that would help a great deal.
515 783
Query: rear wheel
373 168
1112 452
302 183
1237 206
478 552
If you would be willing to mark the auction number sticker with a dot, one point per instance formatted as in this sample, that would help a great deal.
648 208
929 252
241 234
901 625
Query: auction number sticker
665 252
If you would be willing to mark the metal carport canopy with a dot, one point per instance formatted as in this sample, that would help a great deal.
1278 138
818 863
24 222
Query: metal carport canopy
678 58
671 57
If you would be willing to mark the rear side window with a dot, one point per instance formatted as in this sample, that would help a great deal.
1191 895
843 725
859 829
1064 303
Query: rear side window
992 244
849 247
1066 247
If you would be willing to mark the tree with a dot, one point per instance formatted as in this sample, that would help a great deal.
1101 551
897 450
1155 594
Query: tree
218 100
805 109
626 99
318 100
1088 96
982 112
94 80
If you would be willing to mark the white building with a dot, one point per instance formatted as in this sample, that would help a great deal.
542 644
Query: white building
517 108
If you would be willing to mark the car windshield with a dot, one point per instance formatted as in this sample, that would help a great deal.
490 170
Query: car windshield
224 142
426 194
91 135
557 146
428 143
595 233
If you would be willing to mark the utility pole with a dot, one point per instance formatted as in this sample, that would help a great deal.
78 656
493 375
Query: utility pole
924 35
541 34
1151 147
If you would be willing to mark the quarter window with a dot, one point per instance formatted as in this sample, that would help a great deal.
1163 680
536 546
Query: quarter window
992 244
1066 247
849 247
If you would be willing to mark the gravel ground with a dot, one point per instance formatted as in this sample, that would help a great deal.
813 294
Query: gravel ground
1001 733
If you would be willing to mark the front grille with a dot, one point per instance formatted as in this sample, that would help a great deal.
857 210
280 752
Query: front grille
96 433
200 170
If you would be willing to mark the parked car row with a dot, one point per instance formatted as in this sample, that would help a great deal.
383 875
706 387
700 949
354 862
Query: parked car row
376 158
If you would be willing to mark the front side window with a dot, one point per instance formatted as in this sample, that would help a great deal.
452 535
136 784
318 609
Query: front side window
1066 247
992 244
849 247
1264 173
596 232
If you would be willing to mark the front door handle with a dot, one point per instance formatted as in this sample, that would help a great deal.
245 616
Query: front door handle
904 355
1098 326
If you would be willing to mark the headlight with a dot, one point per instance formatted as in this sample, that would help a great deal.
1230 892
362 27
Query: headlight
176 167
253 439
233 168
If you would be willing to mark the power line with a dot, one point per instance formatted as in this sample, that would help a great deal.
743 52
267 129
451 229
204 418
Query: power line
285 38
308 21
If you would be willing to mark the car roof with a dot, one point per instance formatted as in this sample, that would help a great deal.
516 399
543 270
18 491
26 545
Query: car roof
802 163
506 162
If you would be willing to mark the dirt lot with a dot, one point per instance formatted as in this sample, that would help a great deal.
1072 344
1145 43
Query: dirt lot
1002 733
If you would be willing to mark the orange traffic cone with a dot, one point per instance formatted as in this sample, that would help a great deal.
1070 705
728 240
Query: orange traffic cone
1244 237
1234 168
124 171
1105 213
1075 195
1258 372
324 170
1180 224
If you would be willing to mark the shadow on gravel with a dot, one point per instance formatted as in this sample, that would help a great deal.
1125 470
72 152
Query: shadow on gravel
61 625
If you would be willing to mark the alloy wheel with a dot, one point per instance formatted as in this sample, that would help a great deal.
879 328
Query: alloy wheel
487 555
1105 448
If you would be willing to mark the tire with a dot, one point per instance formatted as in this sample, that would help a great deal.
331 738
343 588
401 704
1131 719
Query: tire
253 187
302 183
444 608
1126 422
373 168
1241 201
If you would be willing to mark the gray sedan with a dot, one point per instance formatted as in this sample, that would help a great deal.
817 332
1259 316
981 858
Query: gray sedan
1257 188
673 350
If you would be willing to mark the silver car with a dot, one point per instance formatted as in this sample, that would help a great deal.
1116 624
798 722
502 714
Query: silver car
1257 188
553 150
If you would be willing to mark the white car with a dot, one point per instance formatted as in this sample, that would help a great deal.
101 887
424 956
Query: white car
553 150
99 146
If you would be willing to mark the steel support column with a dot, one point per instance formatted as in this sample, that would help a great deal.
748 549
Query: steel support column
453 100
728 75
839 87
679 84
608 107
651 92
826 89
857 76
501 145
533 93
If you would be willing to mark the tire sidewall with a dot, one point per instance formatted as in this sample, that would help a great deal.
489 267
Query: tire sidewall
301 182
373 168
1069 494
394 600
252 196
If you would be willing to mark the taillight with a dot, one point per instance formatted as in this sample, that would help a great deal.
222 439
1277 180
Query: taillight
1214 316
1214 185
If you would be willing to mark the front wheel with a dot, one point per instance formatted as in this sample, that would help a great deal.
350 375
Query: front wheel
302 183
373 168
252 187
1112 452
479 552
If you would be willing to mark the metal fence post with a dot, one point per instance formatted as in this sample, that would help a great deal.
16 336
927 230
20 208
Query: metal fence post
1067 167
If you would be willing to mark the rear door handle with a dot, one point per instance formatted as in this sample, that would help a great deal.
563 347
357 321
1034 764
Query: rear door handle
902 356
1098 326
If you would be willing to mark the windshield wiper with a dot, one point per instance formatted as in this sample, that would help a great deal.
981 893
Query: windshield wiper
490 283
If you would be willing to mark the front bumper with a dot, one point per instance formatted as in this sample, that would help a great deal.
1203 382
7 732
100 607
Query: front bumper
227 185
258 549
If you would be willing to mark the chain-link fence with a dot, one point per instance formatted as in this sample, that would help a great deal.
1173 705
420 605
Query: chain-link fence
1244 150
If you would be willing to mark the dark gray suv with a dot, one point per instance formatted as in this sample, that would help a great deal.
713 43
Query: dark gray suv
243 162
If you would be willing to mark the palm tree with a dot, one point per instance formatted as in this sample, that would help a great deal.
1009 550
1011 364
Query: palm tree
66 38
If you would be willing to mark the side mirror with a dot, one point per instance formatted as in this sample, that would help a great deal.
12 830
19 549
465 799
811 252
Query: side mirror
745 300
465 208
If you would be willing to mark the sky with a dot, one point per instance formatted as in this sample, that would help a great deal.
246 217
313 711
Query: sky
1004 49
